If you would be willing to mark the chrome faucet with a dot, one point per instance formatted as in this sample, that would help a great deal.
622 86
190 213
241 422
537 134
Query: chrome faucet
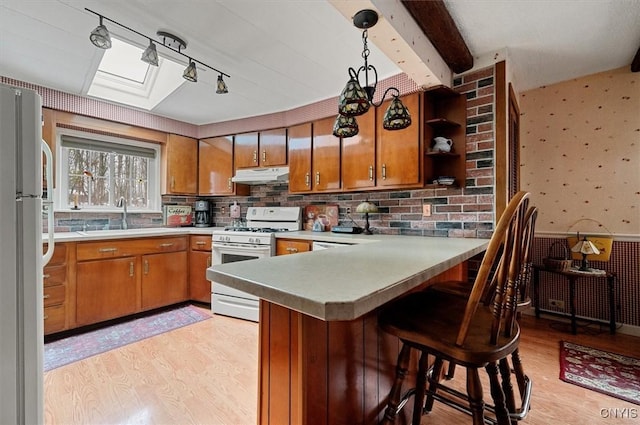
122 203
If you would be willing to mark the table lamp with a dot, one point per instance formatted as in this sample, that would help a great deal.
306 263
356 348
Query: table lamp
366 208
585 247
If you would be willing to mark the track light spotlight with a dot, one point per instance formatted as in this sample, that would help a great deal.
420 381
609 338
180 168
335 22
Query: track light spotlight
190 72
150 55
100 36
221 86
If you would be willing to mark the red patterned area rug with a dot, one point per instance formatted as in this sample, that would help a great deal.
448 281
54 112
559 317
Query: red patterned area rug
607 373
68 350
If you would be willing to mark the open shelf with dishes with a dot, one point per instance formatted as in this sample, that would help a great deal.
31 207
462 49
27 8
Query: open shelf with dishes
445 115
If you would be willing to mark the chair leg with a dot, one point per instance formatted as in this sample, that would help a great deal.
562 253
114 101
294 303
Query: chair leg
519 371
451 371
433 383
507 388
396 390
502 414
474 390
421 386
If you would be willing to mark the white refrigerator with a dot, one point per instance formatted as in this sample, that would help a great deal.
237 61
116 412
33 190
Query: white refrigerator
21 255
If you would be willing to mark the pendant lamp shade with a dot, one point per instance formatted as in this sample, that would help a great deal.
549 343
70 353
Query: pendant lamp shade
100 36
190 72
150 55
221 86
353 99
396 116
345 126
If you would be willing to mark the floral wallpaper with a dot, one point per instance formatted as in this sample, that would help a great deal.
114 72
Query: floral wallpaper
580 153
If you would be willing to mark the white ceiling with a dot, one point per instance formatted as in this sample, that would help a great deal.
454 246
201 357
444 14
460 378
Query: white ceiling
282 54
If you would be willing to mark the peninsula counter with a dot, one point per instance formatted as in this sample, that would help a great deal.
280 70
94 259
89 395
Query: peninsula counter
322 358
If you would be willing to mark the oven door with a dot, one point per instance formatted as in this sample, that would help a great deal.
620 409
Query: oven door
230 301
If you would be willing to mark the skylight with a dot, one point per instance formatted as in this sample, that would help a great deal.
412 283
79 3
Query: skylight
123 78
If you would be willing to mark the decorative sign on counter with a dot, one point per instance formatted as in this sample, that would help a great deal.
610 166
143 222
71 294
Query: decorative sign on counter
327 215
177 215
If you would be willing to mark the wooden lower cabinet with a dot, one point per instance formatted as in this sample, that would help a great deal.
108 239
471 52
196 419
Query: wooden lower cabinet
58 289
106 289
199 262
116 278
164 279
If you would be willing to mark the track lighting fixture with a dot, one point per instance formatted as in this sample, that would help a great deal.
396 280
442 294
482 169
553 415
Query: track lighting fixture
150 55
100 38
190 72
222 86
356 99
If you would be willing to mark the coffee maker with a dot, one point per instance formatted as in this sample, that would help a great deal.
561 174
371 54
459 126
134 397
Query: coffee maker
203 214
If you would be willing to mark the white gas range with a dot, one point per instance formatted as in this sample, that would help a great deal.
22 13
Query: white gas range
256 240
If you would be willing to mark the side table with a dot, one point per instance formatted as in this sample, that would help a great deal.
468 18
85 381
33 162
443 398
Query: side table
572 276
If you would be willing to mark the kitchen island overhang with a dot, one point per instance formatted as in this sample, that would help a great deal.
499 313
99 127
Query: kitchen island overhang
348 282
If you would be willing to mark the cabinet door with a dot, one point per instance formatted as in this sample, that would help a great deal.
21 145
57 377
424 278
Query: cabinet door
399 151
199 286
273 147
326 156
216 166
300 158
246 150
180 154
106 289
164 279
359 154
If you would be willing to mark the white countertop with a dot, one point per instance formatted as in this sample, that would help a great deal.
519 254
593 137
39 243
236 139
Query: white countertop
129 233
347 282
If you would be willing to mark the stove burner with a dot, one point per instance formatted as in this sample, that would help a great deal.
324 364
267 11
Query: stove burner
255 229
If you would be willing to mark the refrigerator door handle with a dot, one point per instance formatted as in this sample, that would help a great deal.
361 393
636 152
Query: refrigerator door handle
48 203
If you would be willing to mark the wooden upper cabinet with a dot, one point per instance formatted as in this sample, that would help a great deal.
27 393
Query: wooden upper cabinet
215 167
299 146
273 147
399 152
265 149
325 156
246 150
359 154
180 160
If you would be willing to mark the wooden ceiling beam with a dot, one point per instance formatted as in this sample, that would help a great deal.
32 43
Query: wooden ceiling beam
435 21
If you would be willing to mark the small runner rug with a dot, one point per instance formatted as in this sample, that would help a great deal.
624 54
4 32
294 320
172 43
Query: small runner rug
68 350
607 373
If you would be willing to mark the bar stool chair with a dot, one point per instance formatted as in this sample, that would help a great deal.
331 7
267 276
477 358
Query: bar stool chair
466 332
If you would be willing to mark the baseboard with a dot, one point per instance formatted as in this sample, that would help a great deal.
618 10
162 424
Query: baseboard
566 318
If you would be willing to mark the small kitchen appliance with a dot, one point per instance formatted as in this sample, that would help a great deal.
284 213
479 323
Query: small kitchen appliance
256 240
203 214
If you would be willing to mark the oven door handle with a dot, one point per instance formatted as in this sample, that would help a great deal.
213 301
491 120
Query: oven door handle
241 248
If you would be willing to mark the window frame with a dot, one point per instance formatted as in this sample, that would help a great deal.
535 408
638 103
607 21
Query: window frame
62 174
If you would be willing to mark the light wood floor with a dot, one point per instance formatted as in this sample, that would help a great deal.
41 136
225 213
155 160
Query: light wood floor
206 373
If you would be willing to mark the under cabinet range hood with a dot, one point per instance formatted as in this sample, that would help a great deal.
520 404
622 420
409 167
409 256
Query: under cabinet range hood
261 175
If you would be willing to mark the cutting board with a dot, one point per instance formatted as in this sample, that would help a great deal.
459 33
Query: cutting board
328 214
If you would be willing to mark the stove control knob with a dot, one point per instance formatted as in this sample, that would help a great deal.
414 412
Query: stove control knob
256 241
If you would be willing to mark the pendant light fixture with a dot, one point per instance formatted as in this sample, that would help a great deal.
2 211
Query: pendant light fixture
356 99
100 38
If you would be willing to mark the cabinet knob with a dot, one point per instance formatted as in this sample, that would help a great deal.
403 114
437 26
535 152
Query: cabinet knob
45 317
146 267
307 179
317 178
105 250
384 171
46 276
45 296
371 172
166 244
264 156
229 183
201 243
255 157
292 250
131 269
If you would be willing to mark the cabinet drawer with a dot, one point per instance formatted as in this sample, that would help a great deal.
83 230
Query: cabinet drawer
54 319
54 295
126 248
286 247
59 254
201 243
54 275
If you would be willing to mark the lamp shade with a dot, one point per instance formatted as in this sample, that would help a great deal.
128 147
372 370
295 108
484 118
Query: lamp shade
353 99
366 207
396 116
190 72
345 126
221 86
585 247
150 55
100 36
